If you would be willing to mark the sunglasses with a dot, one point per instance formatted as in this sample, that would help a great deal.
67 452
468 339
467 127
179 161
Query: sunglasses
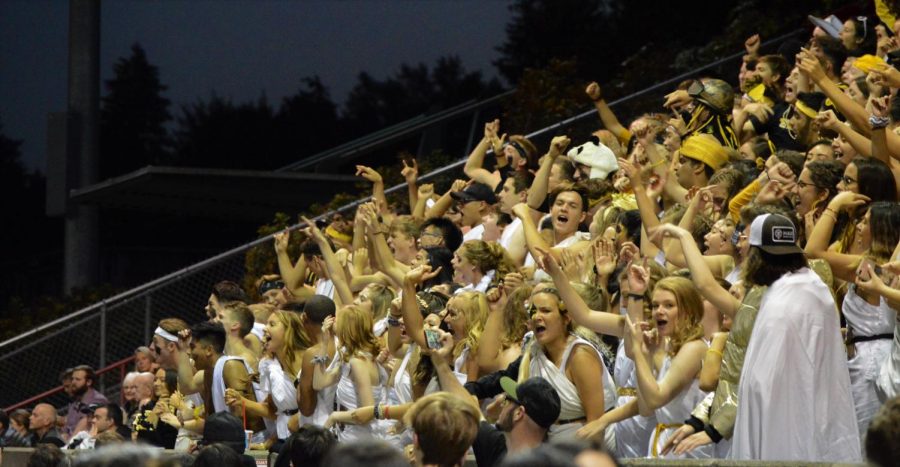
865 21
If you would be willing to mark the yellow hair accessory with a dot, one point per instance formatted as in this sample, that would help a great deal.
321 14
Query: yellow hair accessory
626 202
805 109
333 233
867 63
758 94
705 148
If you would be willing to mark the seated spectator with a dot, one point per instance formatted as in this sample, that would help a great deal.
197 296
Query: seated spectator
226 430
18 434
47 455
307 447
218 455
882 448
371 453
445 426
144 360
43 426
85 396
106 418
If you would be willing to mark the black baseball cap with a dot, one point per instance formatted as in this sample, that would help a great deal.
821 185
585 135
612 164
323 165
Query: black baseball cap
774 234
475 192
539 398
225 428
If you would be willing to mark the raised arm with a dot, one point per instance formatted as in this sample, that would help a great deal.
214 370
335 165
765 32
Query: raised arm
809 65
539 188
474 168
293 274
700 273
860 143
412 317
604 323
712 362
817 242
374 177
411 173
533 239
685 366
335 270
442 205
322 378
607 117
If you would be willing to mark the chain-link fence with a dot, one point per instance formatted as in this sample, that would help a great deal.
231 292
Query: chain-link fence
110 331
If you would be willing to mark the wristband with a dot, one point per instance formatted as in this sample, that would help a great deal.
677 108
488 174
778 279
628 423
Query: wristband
695 423
878 123
320 359
393 322
635 296
712 433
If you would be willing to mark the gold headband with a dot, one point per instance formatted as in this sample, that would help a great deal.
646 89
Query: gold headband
805 109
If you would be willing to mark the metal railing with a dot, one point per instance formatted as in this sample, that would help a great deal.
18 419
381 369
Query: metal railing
111 329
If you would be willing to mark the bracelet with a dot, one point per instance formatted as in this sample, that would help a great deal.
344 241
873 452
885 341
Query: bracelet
878 123
393 322
831 213
715 351
658 163
635 296
377 411
320 359
384 412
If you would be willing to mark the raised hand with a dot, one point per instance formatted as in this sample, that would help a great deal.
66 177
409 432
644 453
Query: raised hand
549 264
604 253
594 92
426 190
313 229
558 145
369 174
828 120
632 170
410 172
521 210
809 65
281 241
459 185
774 191
328 327
677 99
512 281
847 200
420 274
888 75
638 279
880 106
751 45
572 264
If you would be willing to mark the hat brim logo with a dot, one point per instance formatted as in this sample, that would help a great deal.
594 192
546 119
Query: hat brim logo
783 235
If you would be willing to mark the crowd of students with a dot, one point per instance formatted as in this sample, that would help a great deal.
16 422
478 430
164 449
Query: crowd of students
717 280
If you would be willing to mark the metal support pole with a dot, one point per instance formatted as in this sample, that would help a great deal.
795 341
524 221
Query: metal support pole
472 128
81 239
102 360
148 305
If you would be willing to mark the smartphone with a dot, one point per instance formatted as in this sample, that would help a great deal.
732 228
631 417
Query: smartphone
433 339
875 268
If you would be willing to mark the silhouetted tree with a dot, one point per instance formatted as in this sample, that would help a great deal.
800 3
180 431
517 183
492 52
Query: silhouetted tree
133 117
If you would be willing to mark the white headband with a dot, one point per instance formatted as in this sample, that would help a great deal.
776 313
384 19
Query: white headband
165 334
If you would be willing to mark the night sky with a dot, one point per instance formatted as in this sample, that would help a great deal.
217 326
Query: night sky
237 49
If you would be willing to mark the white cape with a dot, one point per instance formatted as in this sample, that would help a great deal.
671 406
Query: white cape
795 401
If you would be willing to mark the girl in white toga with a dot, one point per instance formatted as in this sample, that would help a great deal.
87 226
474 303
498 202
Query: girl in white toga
359 378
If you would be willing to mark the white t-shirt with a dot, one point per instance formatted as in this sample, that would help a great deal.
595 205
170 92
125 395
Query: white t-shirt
475 233
325 287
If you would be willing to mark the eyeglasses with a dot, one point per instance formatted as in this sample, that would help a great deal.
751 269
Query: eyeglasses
429 234
847 180
801 185
865 21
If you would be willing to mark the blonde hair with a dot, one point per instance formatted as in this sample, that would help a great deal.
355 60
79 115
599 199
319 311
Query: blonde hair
514 319
487 256
381 297
354 331
405 225
445 426
690 311
474 307
295 338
